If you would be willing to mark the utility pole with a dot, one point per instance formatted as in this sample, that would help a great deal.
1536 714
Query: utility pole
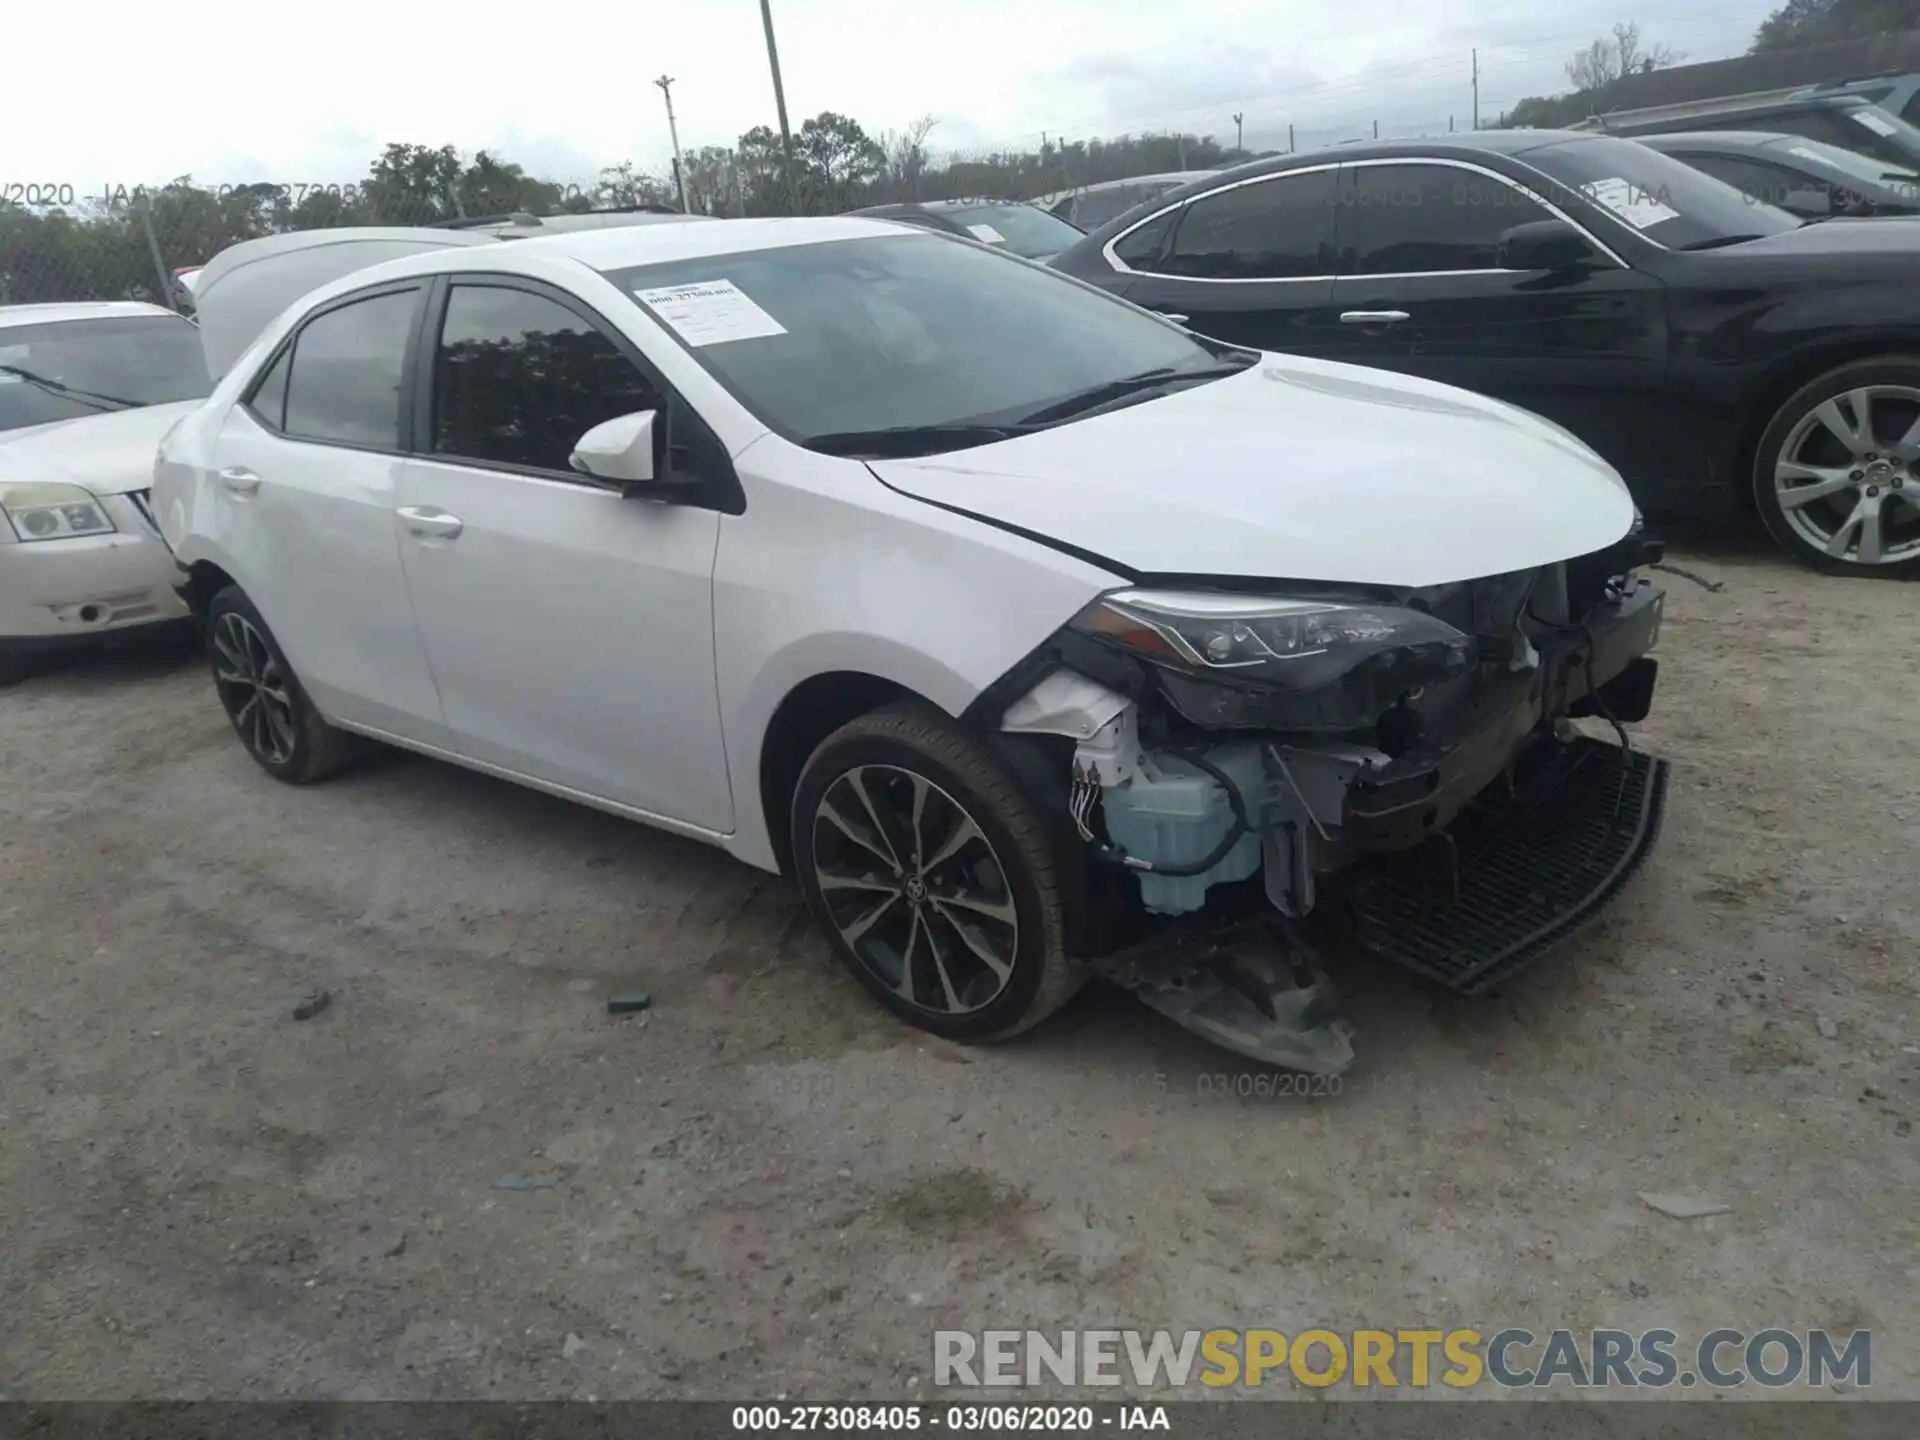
779 93
665 82
1239 132
1476 89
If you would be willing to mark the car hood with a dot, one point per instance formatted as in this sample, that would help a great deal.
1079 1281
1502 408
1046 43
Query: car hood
109 454
1296 469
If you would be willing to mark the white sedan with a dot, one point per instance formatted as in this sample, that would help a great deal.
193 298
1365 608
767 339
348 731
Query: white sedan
1005 617
86 392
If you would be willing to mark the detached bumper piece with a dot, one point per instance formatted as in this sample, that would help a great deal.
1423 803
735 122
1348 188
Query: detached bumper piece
1516 877
1254 986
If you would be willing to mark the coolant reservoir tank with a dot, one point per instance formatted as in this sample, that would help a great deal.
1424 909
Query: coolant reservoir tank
1171 812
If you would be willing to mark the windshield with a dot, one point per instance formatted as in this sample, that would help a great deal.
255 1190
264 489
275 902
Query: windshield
1669 202
66 369
1861 167
901 331
1026 230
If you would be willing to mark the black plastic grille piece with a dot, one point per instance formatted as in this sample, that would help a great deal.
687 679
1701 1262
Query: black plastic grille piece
1531 872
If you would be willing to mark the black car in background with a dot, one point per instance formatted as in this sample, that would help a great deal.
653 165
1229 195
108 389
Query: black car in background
1850 121
1026 230
1807 178
1720 353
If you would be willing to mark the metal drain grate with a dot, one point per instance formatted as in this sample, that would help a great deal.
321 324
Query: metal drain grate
1531 874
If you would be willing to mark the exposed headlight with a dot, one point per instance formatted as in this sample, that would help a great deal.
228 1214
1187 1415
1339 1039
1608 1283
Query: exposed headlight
1251 662
1281 638
52 512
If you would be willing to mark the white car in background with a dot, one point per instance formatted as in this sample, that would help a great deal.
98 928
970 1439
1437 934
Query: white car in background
86 392
1004 616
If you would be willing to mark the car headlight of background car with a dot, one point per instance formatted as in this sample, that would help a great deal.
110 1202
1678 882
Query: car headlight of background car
53 512
1256 661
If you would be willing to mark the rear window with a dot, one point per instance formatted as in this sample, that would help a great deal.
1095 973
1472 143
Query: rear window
68 369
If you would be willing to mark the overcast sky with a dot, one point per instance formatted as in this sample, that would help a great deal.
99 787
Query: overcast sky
230 91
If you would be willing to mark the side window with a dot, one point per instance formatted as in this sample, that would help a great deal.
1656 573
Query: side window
1104 205
1140 248
268 399
1767 185
1279 229
1410 219
347 370
1910 112
519 378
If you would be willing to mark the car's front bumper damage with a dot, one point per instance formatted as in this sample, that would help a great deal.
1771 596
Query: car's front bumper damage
1493 831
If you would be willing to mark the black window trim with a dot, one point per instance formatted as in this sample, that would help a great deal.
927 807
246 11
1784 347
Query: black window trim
421 286
1446 162
722 492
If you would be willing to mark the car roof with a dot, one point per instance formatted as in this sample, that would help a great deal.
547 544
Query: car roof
1464 145
246 286
60 312
1722 139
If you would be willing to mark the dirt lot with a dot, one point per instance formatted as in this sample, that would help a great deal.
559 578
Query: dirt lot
764 1185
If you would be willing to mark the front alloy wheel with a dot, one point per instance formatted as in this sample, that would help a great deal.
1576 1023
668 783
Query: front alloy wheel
932 875
915 889
1840 486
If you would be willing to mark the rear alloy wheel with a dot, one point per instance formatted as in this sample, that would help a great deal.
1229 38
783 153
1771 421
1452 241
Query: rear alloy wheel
263 698
1837 477
931 876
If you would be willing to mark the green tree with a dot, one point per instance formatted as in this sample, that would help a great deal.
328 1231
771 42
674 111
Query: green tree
1815 22
413 185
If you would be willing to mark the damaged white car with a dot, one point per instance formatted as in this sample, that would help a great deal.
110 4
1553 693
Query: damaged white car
1034 636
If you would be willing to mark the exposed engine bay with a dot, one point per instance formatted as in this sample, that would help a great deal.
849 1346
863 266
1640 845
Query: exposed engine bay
1410 752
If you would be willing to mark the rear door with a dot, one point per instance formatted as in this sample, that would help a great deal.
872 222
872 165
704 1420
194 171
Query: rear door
1424 289
308 466
1251 263
570 629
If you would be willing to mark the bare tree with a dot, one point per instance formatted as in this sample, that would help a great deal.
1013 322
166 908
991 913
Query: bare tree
1610 58
907 157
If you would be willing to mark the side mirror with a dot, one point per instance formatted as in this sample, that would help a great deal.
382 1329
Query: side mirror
1544 245
619 451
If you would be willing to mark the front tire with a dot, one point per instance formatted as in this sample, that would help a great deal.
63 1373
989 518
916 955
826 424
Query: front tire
263 698
932 876
1836 477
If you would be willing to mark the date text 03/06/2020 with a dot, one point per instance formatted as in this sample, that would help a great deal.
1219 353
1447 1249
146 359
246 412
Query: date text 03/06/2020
991 1419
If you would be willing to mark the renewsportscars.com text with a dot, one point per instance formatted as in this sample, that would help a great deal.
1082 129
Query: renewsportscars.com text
1512 1358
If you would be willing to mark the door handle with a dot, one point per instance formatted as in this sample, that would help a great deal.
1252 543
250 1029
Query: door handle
437 524
1176 319
240 480
1373 317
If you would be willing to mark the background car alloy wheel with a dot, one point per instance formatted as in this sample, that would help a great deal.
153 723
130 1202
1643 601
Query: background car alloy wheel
932 875
1842 462
915 889
253 689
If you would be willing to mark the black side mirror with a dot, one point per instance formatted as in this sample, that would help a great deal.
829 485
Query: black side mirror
1544 245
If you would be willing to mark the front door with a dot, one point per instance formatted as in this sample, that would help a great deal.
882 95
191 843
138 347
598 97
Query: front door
570 629
1250 264
1423 290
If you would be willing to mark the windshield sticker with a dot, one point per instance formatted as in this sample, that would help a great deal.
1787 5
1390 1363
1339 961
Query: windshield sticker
987 233
710 313
1874 121
1639 208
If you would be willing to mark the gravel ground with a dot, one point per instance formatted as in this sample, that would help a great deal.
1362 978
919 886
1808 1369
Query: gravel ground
764 1185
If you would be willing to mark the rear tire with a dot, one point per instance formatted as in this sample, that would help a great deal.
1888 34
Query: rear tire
263 698
932 876
1840 490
